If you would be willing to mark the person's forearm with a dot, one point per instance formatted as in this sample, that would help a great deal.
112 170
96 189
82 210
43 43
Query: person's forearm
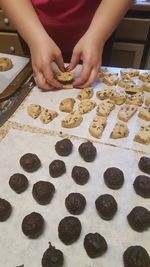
25 19
107 17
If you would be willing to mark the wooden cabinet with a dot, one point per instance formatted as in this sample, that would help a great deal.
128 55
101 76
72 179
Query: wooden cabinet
9 39
130 48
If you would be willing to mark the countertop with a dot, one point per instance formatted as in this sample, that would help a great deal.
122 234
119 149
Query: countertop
141 6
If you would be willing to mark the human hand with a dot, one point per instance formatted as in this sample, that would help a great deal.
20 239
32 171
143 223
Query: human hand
43 53
89 50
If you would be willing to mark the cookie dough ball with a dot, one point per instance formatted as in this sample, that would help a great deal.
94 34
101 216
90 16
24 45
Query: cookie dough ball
69 230
80 175
106 206
52 257
65 77
5 209
142 186
136 256
139 219
75 203
30 162
114 178
95 245
87 151
43 192
64 147
5 64
18 182
57 168
144 164
33 225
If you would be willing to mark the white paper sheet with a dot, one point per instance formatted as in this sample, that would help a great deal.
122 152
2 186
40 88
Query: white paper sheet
52 100
16 249
6 77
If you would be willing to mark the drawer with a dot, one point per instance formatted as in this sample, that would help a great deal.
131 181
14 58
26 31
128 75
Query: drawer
133 29
5 23
10 43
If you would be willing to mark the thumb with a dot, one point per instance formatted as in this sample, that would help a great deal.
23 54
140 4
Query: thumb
74 61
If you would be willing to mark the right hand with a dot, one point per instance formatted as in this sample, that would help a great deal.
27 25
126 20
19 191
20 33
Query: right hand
43 53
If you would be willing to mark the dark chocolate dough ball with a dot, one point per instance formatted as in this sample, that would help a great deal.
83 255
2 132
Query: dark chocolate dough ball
136 256
64 147
139 218
75 203
30 162
144 164
57 168
106 206
87 151
52 257
5 209
18 182
69 230
142 186
95 245
33 225
43 192
80 175
114 178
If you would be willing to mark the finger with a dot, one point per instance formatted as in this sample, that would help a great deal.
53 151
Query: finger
60 62
41 82
74 61
49 77
92 79
84 75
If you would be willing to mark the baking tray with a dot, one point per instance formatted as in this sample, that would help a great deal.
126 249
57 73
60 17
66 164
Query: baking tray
16 249
12 75
52 99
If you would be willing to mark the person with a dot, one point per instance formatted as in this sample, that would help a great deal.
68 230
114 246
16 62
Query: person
54 29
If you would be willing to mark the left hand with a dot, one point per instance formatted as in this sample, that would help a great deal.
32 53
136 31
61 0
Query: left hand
89 50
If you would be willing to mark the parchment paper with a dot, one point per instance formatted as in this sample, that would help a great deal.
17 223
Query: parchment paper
6 77
52 100
16 249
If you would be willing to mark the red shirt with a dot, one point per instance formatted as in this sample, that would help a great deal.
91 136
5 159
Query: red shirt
66 20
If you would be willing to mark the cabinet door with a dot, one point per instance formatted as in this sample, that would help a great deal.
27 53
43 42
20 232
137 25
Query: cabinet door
126 55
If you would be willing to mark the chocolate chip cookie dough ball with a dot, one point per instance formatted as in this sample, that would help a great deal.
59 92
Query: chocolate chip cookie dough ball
144 164
75 203
142 186
136 256
69 230
87 151
106 206
57 168
95 245
80 175
64 147
52 257
18 182
139 219
30 162
5 209
114 178
43 192
33 225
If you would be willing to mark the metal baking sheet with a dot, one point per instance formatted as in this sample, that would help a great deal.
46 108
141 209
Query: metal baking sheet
17 250
52 100
6 77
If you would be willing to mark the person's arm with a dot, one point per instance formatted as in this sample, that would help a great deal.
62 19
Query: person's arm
43 49
90 46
